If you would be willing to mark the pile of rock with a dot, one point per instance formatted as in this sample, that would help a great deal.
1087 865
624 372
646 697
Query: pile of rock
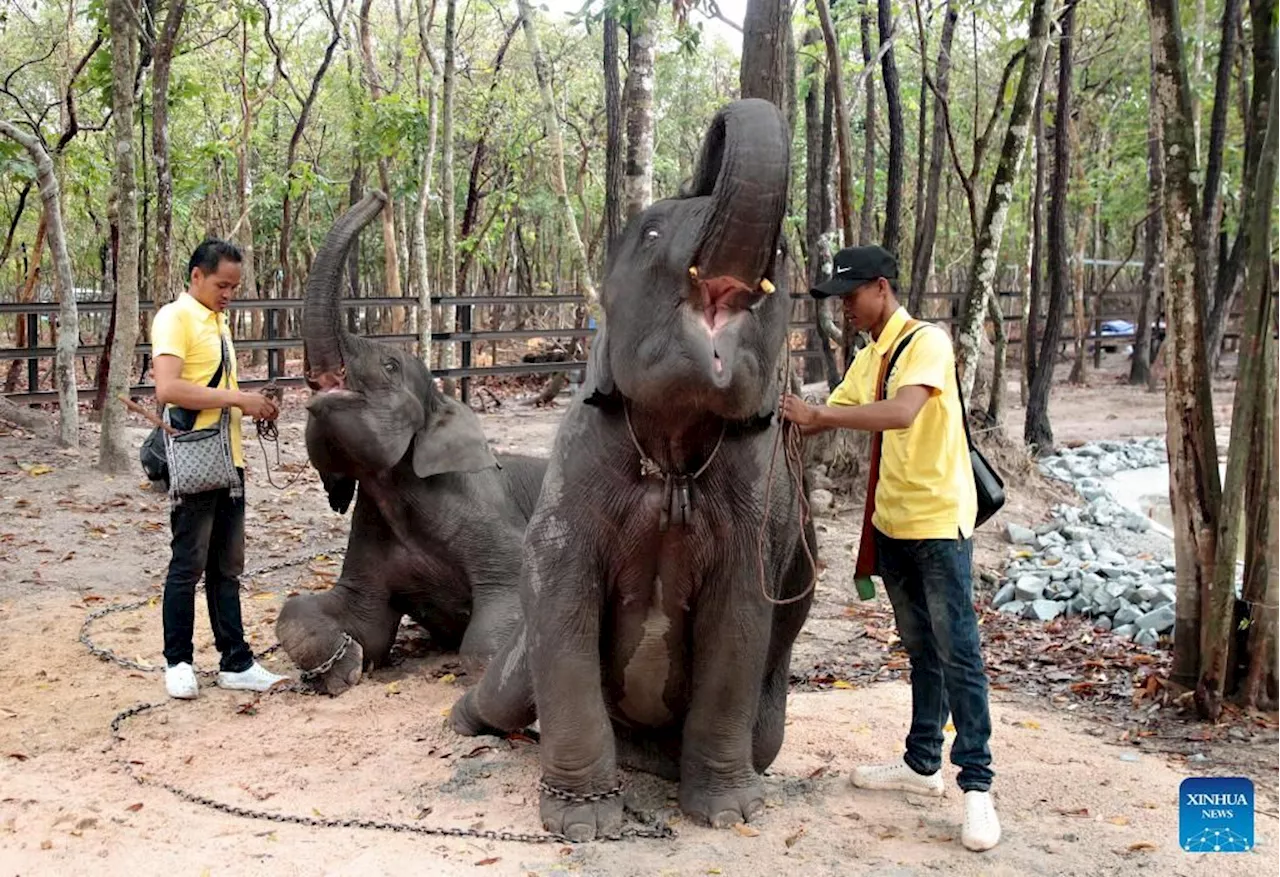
1099 561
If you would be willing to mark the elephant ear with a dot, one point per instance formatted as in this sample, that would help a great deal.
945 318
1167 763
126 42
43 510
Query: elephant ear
340 490
451 441
598 384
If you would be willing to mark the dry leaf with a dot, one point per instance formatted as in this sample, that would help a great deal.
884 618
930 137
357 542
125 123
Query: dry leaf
489 861
1118 820
1140 846
448 679
1082 811
746 830
795 838
1028 723
134 808
817 774
393 688
840 683
18 755
46 844
38 469
884 832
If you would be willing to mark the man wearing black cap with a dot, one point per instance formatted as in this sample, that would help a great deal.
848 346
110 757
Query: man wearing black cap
917 529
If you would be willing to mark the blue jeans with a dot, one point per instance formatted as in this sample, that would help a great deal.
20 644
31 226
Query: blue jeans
929 583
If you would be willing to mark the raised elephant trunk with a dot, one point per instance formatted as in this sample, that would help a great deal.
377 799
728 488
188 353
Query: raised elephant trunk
744 169
321 321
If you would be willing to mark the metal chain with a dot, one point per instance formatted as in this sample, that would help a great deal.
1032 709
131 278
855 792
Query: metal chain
572 798
658 831
333 659
129 664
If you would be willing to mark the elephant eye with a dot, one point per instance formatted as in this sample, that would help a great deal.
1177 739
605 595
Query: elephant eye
391 367
651 233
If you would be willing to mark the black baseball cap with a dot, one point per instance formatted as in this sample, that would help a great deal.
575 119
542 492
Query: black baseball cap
854 266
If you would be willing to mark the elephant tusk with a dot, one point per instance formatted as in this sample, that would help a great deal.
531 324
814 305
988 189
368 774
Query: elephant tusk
767 286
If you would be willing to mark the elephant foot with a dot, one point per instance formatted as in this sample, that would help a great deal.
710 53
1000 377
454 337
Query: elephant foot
722 808
345 672
578 820
465 719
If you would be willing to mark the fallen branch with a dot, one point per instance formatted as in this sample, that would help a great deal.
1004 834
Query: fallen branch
149 415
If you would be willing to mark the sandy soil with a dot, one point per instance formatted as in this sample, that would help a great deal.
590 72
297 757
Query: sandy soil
1083 786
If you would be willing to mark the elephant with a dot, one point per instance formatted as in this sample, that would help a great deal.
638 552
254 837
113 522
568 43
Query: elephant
648 639
439 519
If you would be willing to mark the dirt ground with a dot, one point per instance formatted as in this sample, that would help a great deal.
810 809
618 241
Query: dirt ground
1088 760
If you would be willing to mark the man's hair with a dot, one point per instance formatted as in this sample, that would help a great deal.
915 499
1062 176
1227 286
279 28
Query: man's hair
211 253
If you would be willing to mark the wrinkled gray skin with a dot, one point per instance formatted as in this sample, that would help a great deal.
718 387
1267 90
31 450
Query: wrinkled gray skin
438 520
658 650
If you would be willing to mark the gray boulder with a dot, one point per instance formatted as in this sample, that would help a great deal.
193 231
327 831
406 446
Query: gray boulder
1110 557
1127 613
1148 593
1125 631
1004 595
1080 605
821 501
1051 538
1103 623
1159 619
1108 466
1013 607
1164 594
1146 638
1047 610
1020 535
1030 587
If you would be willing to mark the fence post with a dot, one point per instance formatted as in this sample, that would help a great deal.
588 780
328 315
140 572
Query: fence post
33 362
273 367
464 318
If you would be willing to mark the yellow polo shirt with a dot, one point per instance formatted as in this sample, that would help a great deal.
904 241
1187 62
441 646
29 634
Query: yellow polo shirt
926 488
187 329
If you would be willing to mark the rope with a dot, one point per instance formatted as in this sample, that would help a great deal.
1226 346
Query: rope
795 470
268 431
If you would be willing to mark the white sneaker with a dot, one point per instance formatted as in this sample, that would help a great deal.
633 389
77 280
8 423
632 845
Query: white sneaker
981 825
180 681
256 678
897 777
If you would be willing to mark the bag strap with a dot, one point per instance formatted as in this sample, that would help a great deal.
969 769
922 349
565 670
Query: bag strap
964 415
222 360
913 326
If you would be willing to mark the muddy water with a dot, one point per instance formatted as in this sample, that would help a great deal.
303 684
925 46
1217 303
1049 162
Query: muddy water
1146 491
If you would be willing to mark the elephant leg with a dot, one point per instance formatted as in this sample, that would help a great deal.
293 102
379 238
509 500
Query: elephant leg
718 782
310 628
771 715
494 617
503 700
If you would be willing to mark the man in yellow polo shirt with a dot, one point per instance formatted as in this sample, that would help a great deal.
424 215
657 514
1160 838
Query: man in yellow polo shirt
925 504
193 377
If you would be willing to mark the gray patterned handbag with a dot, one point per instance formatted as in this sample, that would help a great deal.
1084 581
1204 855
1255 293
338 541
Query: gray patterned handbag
200 460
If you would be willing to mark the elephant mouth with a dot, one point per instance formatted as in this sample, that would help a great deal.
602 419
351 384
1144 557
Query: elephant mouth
722 303
332 398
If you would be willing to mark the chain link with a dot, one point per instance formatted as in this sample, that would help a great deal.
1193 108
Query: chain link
333 659
658 831
129 664
572 798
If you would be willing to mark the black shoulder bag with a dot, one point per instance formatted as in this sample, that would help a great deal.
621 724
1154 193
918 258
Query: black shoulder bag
152 454
986 480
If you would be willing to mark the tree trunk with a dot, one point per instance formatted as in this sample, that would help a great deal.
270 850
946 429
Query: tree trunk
840 107
764 72
1243 454
68 315
1037 432
447 194
927 213
613 149
115 452
162 60
995 408
390 251
642 47
867 226
1079 313
244 189
1153 250
922 123
1035 278
1212 202
1194 486
578 253
897 135
986 253
425 17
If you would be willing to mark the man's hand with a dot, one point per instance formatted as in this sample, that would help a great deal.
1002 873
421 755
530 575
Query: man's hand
798 411
257 406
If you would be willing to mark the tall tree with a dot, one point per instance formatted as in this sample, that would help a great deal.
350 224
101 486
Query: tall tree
68 315
897 133
422 275
642 47
391 265
982 272
867 219
579 263
1194 485
115 451
1035 273
1037 432
843 147
613 149
448 196
927 212
162 62
764 72
1153 246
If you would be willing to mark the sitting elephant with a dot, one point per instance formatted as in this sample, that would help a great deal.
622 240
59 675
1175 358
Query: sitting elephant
438 520
647 638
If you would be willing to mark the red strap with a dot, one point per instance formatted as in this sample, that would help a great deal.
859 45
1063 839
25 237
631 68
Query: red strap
866 563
